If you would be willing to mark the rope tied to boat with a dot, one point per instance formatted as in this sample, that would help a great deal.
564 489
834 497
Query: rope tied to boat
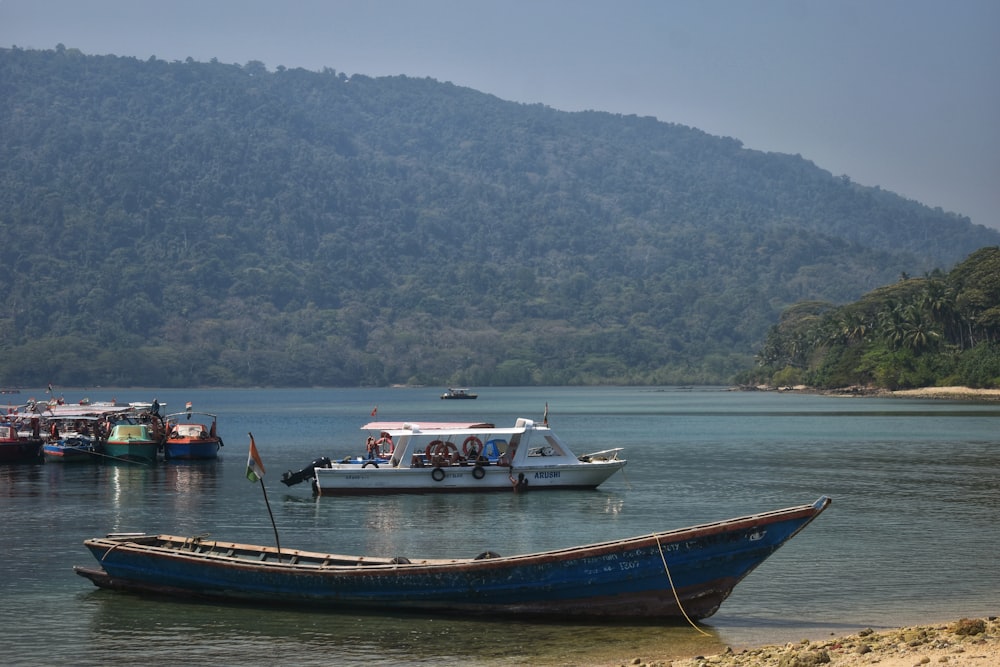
673 588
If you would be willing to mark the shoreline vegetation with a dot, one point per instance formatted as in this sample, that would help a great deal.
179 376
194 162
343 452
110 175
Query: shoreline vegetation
974 641
949 393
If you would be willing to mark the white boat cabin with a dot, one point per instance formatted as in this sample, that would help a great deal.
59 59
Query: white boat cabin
442 444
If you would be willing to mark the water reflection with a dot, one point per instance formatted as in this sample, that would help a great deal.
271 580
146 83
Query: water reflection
124 627
20 479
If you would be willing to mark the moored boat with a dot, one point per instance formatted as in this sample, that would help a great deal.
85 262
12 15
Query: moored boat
458 393
663 575
19 447
72 449
187 440
454 457
73 438
139 443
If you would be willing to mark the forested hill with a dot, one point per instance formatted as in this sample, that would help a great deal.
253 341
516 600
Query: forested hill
191 223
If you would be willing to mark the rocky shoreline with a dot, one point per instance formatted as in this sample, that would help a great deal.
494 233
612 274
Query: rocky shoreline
964 642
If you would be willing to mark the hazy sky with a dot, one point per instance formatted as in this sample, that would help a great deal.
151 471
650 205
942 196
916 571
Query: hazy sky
904 94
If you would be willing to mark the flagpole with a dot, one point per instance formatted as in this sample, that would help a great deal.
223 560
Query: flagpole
255 458
273 525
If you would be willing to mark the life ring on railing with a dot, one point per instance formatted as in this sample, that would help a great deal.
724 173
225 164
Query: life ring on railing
431 446
475 445
437 474
445 453
479 472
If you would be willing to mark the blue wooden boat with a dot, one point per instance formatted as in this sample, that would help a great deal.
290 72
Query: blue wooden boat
652 576
73 438
71 449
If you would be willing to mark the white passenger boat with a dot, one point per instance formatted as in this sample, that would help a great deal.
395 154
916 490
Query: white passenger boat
460 457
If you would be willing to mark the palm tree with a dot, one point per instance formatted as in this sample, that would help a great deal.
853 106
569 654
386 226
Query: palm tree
891 325
918 333
938 302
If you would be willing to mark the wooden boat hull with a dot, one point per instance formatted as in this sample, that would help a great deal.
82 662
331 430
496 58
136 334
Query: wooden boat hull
23 451
58 452
371 479
137 451
191 450
652 576
188 440
137 443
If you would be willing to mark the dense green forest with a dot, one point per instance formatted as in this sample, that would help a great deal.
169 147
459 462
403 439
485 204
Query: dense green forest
941 329
192 224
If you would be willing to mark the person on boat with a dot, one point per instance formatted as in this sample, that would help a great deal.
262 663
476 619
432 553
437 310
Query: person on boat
372 448
520 484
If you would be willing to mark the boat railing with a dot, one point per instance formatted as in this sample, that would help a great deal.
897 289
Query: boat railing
210 549
603 455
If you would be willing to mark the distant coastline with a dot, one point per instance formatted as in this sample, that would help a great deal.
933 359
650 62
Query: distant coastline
949 393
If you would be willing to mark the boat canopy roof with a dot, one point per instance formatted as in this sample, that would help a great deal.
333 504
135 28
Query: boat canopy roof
79 411
414 427
75 416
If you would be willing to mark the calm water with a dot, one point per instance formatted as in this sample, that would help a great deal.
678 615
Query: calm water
911 537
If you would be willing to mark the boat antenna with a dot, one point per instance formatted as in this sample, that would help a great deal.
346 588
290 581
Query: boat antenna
255 473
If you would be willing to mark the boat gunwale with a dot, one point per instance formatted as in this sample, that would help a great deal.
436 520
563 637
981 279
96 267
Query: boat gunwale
257 556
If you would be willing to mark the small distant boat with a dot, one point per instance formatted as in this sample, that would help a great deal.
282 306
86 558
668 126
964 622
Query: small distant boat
458 393
73 438
435 457
139 443
686 572
16 447
187 440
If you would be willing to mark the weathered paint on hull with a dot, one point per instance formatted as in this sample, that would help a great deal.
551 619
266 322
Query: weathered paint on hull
141 452
626 578
350 479
61 454
191 451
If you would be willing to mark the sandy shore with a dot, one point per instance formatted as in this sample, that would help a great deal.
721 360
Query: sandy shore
964 393
952 393
962 642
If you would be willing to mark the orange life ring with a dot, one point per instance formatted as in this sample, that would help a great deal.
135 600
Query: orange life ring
431 446
475 444
445 453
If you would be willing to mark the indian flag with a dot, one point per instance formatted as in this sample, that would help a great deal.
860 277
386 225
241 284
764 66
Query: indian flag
255 468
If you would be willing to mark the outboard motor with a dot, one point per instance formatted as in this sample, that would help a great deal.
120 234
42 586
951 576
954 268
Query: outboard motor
291 478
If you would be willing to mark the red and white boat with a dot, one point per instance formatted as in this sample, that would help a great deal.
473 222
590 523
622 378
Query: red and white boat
461 457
